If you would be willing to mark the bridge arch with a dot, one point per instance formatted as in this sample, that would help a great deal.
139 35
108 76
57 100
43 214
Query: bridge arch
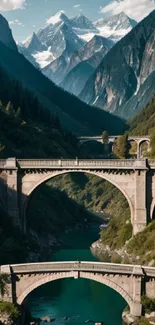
45 177
111 283
140 144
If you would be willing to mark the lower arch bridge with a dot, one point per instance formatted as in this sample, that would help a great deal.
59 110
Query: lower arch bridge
127 280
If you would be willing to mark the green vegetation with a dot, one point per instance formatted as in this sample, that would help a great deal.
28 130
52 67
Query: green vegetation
143 245
26 140
119 229
51 211
122 147
105 137
99 195
148 304
9 309
144 120
143 321
4 280
152 143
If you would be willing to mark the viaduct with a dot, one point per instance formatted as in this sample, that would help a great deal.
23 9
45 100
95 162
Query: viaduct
111 139
134 178
130 281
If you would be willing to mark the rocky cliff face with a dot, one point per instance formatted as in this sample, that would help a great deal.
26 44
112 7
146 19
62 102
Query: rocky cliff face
124 70
33 45
6 34
83 63
66 64
75 80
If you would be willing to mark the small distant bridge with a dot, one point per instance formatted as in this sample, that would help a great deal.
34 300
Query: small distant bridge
139 140
130 281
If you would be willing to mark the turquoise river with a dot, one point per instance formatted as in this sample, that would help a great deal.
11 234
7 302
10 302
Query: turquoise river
72 301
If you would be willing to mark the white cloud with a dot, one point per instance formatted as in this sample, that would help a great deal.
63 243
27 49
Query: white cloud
16 22
76 6
137 9
6 5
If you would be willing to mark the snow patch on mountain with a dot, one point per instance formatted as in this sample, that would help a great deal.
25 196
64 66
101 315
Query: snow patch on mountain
115 27
44 58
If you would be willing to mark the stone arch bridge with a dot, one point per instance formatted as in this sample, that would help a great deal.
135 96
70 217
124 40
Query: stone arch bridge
139 140
129 281
134 178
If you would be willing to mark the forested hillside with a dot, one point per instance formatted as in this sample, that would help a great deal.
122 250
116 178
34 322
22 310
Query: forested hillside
144 120
73 114
22 139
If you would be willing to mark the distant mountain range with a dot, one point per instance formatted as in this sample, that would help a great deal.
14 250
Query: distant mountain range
123 83
55 47
74 115
115 75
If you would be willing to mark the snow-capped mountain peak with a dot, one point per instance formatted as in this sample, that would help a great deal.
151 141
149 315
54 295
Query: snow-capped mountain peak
116 26
33 44
82 22
58 18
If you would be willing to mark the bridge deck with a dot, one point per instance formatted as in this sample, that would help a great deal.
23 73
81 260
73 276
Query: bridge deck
74 164
98 267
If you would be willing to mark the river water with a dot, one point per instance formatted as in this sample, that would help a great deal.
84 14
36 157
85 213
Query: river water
81 299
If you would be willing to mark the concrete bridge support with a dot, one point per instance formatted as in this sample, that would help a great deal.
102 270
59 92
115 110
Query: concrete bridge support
9 183
140 215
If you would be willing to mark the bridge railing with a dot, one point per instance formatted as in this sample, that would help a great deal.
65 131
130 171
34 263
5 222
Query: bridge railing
72 266
82 163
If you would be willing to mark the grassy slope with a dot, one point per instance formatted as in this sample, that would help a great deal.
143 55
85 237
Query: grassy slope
144 121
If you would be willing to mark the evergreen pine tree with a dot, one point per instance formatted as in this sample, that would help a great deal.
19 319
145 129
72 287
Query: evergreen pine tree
105 137
122 147
9 109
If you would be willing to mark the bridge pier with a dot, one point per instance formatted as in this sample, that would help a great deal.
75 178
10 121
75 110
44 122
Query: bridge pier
136 306
12 190
140 217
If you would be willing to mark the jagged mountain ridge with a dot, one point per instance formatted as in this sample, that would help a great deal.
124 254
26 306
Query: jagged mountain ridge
73 114
123 70
6 34
115 27
94 50
63 37
84 62
33 44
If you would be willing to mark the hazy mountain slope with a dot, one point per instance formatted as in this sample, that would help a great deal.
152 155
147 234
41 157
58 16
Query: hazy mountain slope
27 55
139 100
58 69
33 44
77 77
73 114
84 62
123 70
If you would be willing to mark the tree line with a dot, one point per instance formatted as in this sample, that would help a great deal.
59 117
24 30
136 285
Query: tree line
22 103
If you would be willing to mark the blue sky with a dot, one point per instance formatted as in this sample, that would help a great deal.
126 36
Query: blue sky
26 16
